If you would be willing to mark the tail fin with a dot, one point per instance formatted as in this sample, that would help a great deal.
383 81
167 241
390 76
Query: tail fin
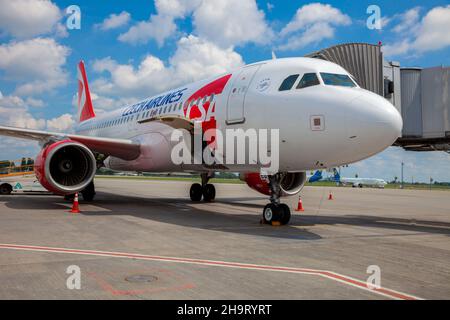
316 176
337 177
85 107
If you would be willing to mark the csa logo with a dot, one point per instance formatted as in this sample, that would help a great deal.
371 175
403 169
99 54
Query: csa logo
201 105
263 85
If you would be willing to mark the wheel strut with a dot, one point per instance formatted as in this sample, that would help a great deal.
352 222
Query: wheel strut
276 212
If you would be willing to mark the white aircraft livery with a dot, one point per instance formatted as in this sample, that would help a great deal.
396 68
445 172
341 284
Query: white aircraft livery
319 117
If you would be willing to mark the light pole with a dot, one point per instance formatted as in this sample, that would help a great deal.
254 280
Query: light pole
401 185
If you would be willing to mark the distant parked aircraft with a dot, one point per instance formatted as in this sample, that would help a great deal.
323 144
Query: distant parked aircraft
359 182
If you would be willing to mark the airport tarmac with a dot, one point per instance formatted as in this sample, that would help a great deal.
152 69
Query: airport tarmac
144 239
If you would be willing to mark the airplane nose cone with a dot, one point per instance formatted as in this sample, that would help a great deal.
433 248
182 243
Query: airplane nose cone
373 123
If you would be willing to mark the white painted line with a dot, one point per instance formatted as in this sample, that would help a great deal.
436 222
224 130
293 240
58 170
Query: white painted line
321 273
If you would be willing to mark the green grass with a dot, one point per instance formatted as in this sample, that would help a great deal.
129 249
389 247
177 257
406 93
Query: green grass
188 179
237 181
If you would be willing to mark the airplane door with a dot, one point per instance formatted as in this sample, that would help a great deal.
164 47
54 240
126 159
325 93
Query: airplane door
236 99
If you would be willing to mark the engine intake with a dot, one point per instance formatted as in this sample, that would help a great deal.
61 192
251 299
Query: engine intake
291 183
65 167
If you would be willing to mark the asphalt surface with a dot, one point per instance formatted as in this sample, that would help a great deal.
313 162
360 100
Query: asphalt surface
146 240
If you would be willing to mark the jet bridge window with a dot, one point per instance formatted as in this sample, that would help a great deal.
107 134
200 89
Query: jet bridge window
333 79
288 83
308 80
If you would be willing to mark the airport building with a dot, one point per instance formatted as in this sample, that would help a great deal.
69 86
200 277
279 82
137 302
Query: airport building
422 95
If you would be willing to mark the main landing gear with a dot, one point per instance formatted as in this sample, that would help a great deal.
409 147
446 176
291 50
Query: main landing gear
205 190
88 193
275 211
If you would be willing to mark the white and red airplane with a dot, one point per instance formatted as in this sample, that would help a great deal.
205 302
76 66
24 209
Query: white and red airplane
324 119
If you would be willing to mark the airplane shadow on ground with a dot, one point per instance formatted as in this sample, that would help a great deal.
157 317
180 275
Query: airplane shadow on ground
177 211
244 219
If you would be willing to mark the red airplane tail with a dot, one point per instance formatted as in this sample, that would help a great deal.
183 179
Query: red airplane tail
85 107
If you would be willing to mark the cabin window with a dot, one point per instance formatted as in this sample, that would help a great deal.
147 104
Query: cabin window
334 79
308 80
288 83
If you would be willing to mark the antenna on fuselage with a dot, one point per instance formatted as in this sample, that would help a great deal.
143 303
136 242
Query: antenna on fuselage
274 57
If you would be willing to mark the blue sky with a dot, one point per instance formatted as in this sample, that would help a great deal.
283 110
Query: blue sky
155 45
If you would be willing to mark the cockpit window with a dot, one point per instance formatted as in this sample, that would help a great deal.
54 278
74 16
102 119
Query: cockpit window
308 80
333 79
288 82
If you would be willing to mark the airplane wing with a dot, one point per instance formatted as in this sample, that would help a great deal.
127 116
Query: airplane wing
121 148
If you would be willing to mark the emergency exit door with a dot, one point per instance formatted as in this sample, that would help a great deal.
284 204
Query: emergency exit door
236 99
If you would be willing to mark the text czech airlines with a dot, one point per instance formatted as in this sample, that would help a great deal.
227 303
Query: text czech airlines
154 102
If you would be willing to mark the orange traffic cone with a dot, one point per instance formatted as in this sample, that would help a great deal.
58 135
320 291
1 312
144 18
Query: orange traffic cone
300 205
330 196
75 208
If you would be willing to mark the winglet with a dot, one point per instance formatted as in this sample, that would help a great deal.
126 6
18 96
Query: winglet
85 107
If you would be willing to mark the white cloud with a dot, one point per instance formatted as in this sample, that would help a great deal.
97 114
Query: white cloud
62 123
35 65
429 34
312 23
197 59
433 33
396 49
114 21
231 22
223 22
15 112
28 18
37 103
194 59
161 25
159 28
408 20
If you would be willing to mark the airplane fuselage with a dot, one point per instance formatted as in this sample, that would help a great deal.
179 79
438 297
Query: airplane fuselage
322 125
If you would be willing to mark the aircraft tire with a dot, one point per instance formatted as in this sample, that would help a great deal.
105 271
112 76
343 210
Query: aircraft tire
89 193
209 192
272 213
196 192
285 214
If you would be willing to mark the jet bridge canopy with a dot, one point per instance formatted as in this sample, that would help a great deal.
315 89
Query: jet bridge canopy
422 96
362 60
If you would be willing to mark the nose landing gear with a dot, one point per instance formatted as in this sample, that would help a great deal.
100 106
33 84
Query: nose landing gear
276 211
205 190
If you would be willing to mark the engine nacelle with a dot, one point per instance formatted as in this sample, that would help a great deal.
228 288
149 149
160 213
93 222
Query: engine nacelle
291 183
65 167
